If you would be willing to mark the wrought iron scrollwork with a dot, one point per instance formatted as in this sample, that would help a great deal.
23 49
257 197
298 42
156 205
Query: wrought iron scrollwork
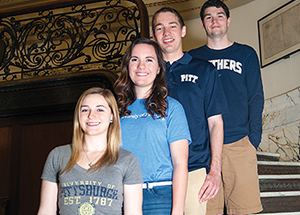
67 40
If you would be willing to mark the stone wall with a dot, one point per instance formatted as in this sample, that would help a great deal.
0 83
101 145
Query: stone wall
281 126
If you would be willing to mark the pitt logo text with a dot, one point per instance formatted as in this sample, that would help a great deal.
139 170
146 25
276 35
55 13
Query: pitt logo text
189 78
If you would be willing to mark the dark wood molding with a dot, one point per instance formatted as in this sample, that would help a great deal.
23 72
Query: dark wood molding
50 94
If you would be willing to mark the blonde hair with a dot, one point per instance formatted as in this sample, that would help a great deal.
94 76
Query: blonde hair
111 154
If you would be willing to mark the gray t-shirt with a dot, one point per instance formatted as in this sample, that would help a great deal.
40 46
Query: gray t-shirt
83 193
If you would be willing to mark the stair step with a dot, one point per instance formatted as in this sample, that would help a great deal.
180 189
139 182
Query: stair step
278 168
276 183
280 194
267 156
279 176
285 213
280 202
280 186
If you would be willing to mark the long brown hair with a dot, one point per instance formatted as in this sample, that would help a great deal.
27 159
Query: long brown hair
124 87
111 153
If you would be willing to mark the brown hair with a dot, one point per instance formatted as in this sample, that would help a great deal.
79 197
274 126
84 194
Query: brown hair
167 10
111 153
214 3
124 87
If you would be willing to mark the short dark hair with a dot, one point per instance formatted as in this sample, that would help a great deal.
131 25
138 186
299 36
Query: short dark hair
165 10
214 3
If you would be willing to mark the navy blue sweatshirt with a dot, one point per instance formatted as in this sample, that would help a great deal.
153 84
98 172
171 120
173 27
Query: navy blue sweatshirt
239 70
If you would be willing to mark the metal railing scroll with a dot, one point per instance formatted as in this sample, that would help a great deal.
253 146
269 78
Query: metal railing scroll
63 38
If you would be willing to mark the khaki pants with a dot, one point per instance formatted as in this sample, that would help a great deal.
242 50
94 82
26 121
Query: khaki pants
195 181
239 188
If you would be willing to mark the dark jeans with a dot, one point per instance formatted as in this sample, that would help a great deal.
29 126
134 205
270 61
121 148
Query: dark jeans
157 201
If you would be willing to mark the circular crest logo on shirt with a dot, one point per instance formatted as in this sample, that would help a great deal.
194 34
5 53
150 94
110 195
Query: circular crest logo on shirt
86 208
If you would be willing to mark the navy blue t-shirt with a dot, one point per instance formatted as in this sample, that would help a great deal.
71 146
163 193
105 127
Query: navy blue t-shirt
240 74
196 85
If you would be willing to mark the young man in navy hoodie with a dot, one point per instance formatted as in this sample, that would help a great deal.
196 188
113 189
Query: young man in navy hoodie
239 70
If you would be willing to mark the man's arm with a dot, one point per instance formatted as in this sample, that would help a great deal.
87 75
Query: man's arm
212 182
255 98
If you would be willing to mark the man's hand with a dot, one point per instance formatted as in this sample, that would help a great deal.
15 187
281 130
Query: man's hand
210 187
212 182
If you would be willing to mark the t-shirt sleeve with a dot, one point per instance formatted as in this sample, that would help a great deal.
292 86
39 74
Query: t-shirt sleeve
56 162
51 167
178 128
133 173
215 100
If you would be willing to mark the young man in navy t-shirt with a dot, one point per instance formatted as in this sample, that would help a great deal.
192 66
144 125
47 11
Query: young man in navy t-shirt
195 84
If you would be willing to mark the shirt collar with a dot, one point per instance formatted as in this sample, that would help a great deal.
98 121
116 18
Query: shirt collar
185 59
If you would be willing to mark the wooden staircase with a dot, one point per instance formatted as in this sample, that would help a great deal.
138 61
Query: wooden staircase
279 185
